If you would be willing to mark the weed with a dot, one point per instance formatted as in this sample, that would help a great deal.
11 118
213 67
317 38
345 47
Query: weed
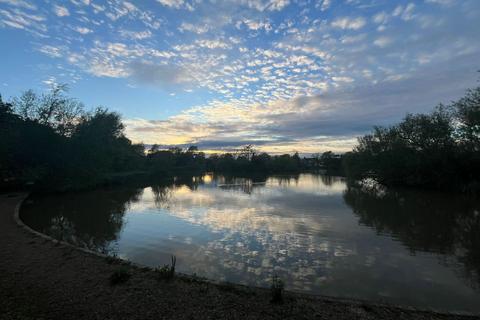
167 271
277 289
113 259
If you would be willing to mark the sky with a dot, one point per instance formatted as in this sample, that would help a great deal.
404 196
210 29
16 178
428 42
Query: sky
283 75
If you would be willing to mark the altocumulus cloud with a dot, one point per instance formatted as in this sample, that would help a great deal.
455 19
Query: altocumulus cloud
321 122
158 75
281 74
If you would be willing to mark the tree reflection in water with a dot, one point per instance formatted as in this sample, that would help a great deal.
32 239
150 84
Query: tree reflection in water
299 227
448 225
71 220
162 192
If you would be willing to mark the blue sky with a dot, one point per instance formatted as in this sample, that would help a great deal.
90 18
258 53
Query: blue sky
284 75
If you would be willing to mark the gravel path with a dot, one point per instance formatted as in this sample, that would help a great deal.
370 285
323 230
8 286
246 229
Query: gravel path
40 279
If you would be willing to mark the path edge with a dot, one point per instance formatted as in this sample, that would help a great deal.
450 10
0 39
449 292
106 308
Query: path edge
20 223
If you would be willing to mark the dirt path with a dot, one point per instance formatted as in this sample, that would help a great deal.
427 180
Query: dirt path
43 280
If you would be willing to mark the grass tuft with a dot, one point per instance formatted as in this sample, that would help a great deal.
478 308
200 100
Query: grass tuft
167 272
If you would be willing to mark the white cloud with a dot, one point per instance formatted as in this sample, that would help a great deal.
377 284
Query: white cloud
382 42
408 12
176 4
212 44
19 19
442 2
97 8
354 39
61 11
83 30
349 23
264 5
50 81
257 25
198 29
324 5
81 2
136 35
380 17
19 3
397 11
278 4
342 79
51 51
405 13
172 3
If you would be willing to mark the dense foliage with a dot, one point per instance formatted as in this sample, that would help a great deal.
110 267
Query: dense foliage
438 150
51 142
248 160
175 161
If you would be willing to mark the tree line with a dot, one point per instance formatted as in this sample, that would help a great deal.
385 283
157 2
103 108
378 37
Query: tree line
244 161
50 141
437 150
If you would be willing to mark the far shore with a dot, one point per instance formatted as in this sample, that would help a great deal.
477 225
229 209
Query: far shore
41 278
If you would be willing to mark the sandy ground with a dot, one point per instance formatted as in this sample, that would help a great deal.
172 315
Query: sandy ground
41 279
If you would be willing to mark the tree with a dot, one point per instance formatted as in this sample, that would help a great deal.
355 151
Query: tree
261 162
247 152
53 109
332 163
467 111
48 139
192 149
100 143
317 160
5 108
7 137
435 150
154 148
427 132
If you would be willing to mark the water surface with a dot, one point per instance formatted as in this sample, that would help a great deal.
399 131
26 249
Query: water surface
315 232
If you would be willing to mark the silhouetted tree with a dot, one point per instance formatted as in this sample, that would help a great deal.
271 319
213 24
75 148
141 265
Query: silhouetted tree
53 109
332 163
436 150
467 111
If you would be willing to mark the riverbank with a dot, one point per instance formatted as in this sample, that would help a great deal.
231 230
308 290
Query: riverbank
40 279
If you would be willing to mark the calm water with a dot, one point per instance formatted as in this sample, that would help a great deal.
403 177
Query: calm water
315 232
